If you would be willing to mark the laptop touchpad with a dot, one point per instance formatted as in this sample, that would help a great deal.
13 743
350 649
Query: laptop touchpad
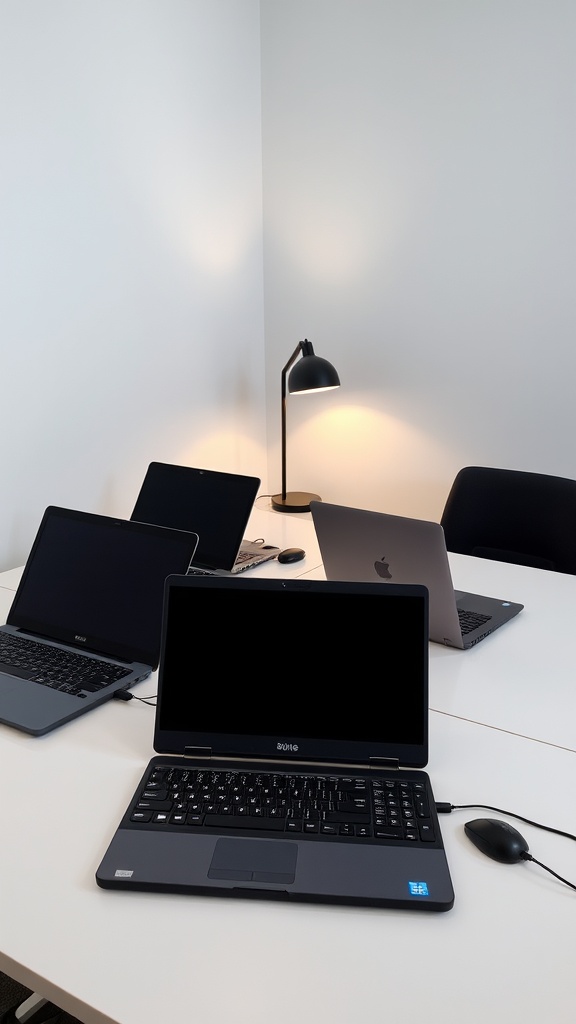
254 860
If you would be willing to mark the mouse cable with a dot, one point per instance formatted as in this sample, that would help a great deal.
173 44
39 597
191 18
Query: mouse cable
444 808
528 856
126 695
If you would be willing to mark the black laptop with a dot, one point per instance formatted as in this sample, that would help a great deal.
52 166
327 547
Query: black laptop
287 779
214 505
86 617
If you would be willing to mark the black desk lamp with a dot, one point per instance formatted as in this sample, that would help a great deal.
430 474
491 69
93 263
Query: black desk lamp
312 373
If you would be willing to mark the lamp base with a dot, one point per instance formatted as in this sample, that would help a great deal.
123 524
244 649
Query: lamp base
295 501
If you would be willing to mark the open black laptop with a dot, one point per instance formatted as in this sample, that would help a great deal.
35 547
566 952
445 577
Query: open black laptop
86 617
213 504
288 783
356 544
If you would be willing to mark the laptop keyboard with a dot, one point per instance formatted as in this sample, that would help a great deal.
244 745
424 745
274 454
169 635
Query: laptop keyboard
244 560
359 808
53 667
471 620
243 556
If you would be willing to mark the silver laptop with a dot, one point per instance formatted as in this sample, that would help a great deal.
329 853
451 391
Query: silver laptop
214 505
86 618
276 784
359 545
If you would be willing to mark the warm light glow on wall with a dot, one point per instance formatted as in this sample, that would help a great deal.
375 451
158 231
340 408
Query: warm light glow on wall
225 448
358 455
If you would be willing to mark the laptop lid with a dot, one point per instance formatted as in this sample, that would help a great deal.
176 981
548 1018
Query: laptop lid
91 584
213 504
306 631
338 695
356 544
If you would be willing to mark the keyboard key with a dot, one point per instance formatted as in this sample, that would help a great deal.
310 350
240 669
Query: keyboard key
244 821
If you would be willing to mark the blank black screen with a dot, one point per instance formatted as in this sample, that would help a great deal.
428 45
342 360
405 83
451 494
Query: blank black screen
214 505
240 660
102 579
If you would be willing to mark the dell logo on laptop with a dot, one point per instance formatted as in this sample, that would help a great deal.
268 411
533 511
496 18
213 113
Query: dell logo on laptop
78 637
287 746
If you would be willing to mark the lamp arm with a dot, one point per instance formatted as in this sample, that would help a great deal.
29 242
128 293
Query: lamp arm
299 348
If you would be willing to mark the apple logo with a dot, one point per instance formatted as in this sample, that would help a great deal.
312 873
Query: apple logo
383 568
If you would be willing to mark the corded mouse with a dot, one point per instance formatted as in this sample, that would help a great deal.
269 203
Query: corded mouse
291 555
497 839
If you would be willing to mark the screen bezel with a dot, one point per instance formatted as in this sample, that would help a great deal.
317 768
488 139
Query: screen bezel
294 748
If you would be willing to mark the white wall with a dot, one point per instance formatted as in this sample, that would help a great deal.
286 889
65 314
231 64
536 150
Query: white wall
419 170
131 311
418 162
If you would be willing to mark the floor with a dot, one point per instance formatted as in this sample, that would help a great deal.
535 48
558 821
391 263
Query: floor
12 994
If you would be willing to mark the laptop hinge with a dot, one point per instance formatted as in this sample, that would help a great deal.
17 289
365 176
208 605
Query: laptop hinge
384 763
197 751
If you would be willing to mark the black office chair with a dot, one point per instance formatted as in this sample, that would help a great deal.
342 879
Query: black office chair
511 516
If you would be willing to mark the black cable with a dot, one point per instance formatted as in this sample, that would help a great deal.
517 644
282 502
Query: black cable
126 695
528 856
445 808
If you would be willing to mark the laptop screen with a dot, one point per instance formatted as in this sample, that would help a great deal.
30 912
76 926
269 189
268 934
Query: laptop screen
98 582
322 670
214 505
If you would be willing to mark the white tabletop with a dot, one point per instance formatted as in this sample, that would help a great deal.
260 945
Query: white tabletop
521 678
503 953
140 958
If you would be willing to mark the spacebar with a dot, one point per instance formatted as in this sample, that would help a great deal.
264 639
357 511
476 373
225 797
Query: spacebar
244 821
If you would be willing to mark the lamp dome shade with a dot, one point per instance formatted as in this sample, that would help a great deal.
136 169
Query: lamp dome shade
312 373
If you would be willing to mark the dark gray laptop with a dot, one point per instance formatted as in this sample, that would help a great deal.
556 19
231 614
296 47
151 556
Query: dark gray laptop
214 505
288 782
86 618
359 545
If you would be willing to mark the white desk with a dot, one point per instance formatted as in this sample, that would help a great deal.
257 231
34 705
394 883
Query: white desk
285 530
503 953
522 678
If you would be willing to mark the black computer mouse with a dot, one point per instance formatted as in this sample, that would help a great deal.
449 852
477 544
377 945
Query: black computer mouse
497 839
291 555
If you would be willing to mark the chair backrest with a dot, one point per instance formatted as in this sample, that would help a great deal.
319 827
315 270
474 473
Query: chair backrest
512 516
